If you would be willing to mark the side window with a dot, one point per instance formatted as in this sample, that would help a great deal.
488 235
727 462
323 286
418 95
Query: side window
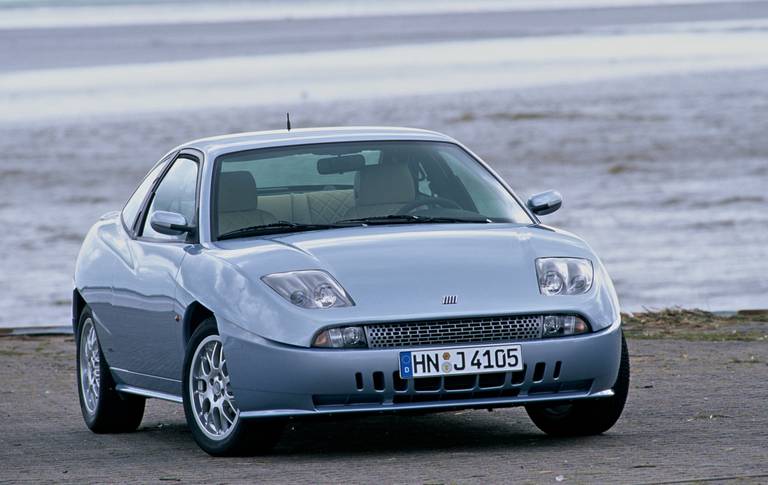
176 193
132 207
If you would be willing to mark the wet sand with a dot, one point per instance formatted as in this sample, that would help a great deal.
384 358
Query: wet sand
664 177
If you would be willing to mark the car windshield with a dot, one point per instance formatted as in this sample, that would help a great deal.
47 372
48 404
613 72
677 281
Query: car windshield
336 184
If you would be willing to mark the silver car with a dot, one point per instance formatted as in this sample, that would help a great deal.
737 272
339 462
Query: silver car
264 276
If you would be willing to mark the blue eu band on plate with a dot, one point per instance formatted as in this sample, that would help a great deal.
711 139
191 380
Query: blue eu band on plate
462 360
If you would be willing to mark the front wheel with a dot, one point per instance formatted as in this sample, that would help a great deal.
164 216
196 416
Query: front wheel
209 404
104 409
588 417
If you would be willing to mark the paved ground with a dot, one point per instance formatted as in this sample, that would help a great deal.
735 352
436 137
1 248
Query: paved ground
697 411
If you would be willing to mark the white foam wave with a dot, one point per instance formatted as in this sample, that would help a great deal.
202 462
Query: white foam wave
214 12
423 69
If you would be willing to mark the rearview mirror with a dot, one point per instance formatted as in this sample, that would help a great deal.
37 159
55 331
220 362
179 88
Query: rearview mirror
340 164
545 203
169 223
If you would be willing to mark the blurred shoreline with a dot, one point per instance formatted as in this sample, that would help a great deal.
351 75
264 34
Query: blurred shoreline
659 150
102 44
47 14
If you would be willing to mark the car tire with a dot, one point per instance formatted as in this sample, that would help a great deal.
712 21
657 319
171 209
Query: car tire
105 410
588 417
209 405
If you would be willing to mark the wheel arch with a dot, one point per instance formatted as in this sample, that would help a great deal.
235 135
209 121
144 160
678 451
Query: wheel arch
195 314
78 305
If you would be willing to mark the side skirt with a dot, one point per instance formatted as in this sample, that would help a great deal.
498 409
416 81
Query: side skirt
162 386
147 393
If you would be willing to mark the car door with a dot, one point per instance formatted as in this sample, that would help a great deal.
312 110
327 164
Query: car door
111 257
148 336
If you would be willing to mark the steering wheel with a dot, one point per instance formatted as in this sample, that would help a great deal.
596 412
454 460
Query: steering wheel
429 202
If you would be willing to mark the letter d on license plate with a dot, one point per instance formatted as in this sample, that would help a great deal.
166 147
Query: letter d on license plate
461 360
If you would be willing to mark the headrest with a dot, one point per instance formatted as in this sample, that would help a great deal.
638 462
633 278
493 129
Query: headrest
237 191
385 184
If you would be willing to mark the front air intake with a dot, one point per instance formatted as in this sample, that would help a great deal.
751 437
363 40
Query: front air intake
456 331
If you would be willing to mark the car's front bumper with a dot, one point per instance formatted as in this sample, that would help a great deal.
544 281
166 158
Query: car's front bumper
271 380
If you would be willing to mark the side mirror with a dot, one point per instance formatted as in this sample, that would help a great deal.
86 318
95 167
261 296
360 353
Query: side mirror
169 223
545 202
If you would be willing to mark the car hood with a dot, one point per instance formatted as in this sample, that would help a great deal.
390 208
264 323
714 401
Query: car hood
404 272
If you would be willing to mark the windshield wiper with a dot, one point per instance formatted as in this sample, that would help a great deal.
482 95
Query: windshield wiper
288 226
413 219
274 228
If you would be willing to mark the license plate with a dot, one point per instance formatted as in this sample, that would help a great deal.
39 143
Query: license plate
461 360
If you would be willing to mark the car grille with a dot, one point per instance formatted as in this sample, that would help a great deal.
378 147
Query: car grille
455 331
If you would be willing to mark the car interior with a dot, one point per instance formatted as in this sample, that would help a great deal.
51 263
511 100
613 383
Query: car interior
311 187
378 190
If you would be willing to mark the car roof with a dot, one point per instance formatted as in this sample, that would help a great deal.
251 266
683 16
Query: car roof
216 145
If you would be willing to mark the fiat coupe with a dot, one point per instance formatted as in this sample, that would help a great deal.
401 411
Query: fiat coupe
261 277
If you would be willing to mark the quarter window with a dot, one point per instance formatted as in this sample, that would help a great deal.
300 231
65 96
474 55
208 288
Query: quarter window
176 193
132 207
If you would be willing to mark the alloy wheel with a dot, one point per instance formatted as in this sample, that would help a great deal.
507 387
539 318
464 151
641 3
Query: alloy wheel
211 396
90 369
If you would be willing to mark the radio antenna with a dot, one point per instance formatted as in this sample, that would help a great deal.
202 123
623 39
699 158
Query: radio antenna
288 121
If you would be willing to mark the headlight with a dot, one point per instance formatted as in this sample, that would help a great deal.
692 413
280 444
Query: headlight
562 325
309 289
341 337
564 276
